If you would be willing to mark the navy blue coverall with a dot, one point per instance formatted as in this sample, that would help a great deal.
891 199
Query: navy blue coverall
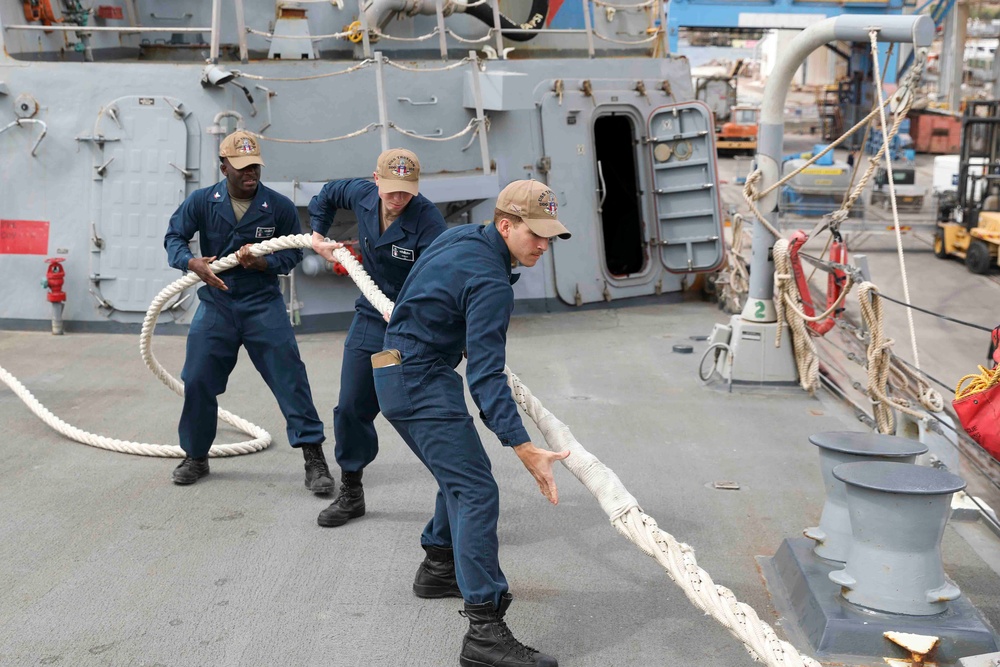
388 259
252 313
458 297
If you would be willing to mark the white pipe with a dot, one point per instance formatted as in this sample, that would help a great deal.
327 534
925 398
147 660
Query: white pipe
378 12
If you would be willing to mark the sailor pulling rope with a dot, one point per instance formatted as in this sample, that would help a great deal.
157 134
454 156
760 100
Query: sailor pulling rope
621 507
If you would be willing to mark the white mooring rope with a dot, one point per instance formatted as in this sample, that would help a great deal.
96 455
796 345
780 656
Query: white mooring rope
622 508
260 438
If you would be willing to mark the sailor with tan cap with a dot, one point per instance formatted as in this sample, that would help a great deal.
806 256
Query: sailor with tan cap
395 226
459 298
241 307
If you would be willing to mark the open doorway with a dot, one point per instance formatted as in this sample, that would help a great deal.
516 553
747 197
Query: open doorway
619 196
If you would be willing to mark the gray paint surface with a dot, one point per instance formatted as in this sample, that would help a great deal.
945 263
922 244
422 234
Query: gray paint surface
144 104
107 562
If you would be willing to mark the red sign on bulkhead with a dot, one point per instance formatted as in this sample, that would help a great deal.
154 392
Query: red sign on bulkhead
24 237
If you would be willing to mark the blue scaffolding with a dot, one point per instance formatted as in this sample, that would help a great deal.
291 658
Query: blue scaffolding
771 15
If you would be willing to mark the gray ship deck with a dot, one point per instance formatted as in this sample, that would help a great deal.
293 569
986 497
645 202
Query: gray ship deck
103 561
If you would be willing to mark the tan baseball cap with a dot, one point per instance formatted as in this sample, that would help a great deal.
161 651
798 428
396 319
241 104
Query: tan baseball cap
534 203
242 149
398 171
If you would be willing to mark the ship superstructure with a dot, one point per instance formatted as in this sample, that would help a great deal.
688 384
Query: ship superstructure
112 114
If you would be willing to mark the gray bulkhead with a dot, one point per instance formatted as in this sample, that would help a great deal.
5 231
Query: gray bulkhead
131 132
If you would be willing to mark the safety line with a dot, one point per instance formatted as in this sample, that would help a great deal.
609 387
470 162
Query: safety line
938 315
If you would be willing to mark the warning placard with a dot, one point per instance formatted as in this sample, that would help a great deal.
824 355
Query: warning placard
24 237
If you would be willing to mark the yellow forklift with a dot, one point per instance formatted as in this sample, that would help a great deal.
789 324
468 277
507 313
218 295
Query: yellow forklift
969 216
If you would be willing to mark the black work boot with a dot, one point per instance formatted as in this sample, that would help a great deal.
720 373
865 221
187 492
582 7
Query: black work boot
190 470
436 575
350 502
318 477
489 642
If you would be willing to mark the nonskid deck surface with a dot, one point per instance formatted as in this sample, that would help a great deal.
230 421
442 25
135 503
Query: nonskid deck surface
106 562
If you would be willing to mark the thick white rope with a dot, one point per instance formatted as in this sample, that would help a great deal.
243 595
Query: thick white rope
639 528
260 438
626 516
79 435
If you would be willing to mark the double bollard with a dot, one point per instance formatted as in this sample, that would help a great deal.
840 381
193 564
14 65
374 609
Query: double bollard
884 519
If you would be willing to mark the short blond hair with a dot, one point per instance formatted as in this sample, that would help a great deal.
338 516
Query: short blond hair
497 214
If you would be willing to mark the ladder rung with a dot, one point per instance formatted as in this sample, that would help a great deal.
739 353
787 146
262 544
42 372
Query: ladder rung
683 188
686 214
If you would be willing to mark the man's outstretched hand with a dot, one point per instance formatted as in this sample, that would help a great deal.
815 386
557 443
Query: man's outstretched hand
539 463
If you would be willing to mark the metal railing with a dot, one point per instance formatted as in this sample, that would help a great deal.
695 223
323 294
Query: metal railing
655 33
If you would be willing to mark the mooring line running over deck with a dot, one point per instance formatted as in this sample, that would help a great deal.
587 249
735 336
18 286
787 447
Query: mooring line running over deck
622 508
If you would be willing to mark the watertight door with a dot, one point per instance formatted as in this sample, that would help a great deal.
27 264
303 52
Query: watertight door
570 172
143 182
596 166
685 185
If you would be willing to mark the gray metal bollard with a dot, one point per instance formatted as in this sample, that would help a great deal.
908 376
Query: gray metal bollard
833 535
898 513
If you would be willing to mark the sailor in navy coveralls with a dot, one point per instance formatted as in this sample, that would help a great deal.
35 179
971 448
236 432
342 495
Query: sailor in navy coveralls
395 226
241 306
459 298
